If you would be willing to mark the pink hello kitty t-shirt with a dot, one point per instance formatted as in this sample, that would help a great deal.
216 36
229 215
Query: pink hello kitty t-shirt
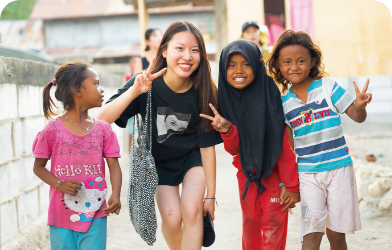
78 157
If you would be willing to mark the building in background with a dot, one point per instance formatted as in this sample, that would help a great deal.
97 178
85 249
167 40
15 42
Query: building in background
23 39
354 35
107 32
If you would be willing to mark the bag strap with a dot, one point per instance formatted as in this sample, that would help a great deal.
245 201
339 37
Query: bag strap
142 127
328 84
149 115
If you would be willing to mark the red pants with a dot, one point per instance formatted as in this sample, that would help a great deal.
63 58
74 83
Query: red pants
264 225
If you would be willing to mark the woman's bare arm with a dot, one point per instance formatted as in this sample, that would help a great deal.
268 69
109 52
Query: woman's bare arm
112 110
143 83
208 158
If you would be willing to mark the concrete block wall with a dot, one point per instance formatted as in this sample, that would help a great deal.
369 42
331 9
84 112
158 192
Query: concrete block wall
23 196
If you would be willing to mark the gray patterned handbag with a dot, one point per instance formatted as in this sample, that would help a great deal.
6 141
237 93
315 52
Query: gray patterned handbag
143 179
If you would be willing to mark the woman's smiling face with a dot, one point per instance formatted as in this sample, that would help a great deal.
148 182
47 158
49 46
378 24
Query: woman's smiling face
182 54
239 72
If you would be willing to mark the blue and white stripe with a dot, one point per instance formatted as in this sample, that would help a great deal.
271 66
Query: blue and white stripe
318 133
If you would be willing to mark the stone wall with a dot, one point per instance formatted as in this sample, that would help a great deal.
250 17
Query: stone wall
23 196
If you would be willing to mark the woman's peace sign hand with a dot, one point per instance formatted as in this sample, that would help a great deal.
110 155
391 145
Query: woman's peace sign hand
219 123
363 98
143 82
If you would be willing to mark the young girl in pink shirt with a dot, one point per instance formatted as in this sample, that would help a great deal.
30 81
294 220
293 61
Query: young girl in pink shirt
76 145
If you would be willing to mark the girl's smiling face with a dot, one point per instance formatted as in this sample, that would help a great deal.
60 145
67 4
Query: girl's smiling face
182 54
239 72
295 63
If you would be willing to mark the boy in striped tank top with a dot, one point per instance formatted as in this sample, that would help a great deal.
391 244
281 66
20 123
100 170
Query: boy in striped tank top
312 107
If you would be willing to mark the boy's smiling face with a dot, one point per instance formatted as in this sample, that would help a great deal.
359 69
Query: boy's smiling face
295 63
239 72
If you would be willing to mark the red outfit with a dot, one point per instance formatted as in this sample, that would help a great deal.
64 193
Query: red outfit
128 76
264 225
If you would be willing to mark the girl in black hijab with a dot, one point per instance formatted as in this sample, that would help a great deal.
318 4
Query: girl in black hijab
253 129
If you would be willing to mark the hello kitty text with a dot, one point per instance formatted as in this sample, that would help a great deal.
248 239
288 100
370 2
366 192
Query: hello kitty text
70 170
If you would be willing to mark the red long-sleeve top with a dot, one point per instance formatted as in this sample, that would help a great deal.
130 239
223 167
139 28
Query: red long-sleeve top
286 166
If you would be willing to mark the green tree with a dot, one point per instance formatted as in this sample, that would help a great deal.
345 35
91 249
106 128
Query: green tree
18 10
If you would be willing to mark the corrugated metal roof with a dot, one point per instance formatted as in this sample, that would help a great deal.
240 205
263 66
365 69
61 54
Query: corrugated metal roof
27 34
180 8
63 9
60 9
163 3
66 9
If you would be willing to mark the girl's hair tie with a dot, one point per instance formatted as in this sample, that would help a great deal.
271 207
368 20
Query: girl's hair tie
54 82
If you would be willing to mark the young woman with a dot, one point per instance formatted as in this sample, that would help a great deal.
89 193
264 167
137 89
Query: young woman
183 144
153 40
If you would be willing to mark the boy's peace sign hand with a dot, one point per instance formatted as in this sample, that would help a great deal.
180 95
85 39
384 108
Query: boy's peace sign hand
143 82
363 98
219 123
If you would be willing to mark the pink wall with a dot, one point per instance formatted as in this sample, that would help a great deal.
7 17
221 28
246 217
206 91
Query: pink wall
301 12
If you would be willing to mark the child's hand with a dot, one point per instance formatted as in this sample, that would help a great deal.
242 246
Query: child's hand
209 205
289 199
70 187
219 123
363 98
143 82
114 205
283 190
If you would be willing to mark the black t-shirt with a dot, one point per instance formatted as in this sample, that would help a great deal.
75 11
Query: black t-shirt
145 63
176 121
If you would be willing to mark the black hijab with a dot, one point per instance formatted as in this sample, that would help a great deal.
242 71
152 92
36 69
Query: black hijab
257 112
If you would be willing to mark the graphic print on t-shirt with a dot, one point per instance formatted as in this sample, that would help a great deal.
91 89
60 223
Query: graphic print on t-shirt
88 200
170 122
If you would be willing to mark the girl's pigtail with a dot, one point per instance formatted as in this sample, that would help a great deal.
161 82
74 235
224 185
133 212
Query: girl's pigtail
49 104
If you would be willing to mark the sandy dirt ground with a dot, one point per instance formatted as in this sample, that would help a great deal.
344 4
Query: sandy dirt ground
376 232
369 138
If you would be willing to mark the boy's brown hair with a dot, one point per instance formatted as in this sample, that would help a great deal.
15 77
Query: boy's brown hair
290 37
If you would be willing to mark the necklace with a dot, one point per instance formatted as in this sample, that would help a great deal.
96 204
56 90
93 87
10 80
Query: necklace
77 124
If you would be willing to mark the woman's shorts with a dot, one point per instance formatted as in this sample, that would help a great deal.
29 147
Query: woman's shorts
172 172
329 199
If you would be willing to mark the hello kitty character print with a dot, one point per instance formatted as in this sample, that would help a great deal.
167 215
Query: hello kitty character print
88 199
81 158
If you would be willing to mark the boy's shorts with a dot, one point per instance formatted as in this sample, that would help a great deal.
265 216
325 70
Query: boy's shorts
329 199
